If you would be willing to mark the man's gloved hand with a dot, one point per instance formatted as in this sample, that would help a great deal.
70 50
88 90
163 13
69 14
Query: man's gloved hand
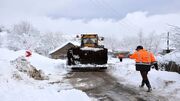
156 66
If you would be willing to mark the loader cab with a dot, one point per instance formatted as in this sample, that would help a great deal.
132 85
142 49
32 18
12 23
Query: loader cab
89 40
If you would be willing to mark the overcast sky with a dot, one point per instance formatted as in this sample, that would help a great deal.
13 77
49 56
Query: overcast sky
115 17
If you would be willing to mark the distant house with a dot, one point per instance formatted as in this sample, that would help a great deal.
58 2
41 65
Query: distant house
61 52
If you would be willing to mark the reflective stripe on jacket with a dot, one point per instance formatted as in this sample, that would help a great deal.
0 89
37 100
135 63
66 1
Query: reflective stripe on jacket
143 57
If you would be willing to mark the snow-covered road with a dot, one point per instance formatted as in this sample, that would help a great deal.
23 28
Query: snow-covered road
104 87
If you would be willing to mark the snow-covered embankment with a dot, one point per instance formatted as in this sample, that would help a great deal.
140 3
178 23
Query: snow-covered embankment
17 85
164 83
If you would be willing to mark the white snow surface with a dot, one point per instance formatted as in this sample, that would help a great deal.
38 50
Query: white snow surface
18 86
163 83
173 56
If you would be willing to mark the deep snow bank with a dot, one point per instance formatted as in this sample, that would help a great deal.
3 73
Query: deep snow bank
17 86
170 61
163 83
14 91
173 56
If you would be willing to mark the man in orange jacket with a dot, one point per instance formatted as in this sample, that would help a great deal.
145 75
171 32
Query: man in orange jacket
144 61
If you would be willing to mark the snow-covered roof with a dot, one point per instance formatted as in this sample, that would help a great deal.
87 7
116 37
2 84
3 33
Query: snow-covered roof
173 56
73 42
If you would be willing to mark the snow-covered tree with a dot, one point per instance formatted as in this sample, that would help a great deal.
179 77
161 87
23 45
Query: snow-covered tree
0 40
23 36
0 29
150 42
175 33
111 43
50 41
140 37
129 43
24 28
3 33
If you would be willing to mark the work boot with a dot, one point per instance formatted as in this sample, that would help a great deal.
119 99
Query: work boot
149 89
142 84
148 85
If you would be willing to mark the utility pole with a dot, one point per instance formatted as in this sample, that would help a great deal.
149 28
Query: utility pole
168 50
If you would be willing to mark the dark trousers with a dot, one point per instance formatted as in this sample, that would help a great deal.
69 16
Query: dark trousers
145 79
120 59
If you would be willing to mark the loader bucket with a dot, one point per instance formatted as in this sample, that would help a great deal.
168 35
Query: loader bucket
77 56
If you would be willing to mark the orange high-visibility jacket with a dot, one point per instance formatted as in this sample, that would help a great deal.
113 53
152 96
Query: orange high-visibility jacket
143 56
